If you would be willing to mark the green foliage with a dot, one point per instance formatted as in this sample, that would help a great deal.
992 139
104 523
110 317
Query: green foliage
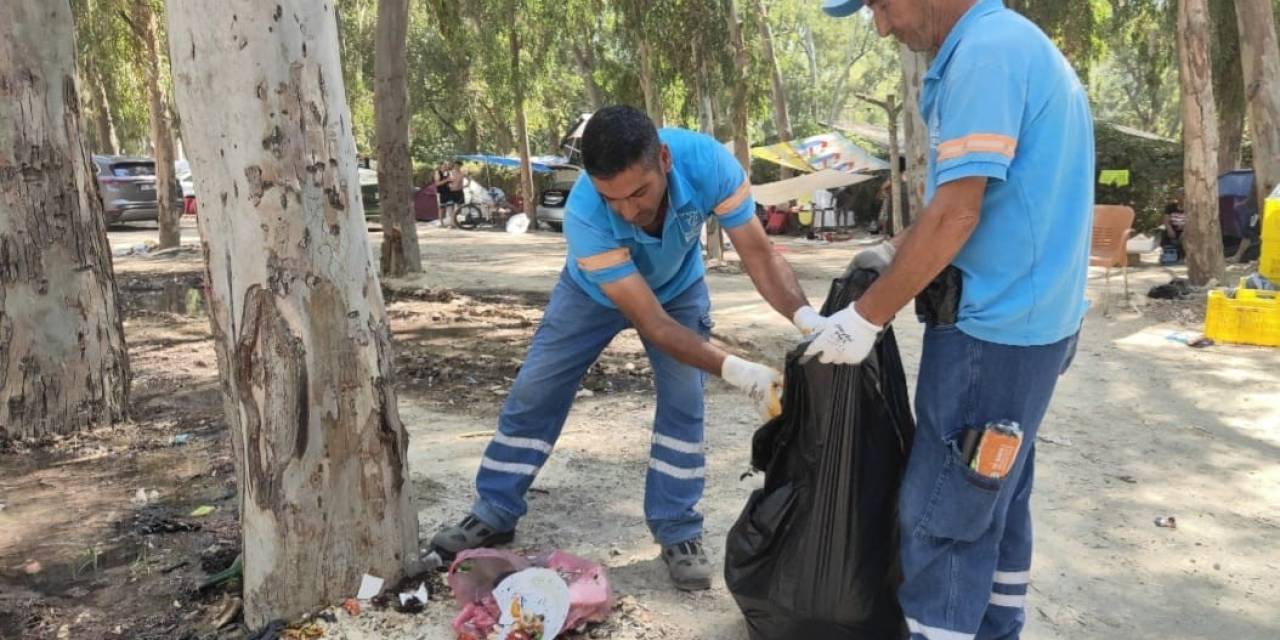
1155 173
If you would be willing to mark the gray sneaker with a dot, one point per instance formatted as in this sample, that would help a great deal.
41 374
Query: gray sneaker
471 533
688 565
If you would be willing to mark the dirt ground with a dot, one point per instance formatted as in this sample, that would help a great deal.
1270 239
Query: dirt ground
1142 427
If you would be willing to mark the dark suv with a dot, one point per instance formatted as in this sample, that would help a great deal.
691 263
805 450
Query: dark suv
128 188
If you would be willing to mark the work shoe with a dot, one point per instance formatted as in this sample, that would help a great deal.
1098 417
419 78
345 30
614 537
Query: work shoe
471 533
688 565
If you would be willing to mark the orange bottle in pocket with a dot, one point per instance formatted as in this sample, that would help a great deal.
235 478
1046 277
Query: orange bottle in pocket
998 449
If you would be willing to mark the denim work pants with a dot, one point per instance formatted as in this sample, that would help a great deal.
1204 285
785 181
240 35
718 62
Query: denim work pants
966 538
574 330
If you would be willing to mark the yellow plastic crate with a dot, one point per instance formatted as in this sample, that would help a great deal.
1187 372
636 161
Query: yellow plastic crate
1269 264
1252 317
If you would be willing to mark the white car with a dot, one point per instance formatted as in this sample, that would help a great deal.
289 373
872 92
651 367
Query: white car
552 201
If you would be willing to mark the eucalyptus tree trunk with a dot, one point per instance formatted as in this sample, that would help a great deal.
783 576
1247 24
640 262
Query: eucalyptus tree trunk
400 252
169 217
522 131
781 118
304 348
915 147
1228 84
1260 59
63 363
1200 144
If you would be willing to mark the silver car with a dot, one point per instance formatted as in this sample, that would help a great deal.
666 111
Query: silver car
552 201
128 188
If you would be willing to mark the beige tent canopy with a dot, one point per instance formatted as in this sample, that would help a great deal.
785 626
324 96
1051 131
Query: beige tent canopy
800 187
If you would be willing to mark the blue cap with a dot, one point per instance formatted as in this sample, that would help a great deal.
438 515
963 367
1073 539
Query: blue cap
841 8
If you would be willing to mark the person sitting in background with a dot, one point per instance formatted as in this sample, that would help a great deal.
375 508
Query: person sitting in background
1173 224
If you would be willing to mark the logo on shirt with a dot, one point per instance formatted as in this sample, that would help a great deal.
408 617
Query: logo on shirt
690 223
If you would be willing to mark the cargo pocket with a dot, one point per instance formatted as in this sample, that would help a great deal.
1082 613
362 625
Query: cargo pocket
962 504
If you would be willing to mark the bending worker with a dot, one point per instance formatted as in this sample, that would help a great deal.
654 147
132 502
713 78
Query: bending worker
1010 200
632 225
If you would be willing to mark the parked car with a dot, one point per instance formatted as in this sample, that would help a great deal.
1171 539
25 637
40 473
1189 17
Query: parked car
551 201
128 188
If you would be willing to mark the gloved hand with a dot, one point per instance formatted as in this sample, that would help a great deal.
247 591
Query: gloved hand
809 321
875 259
846 340
763 384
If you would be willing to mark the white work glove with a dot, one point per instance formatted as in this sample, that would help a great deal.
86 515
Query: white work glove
875 259
809 321
763 384
846 340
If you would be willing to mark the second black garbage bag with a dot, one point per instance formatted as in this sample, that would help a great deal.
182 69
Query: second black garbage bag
814 554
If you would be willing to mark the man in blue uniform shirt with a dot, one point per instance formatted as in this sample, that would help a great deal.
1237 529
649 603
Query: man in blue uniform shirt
632 226
1010 205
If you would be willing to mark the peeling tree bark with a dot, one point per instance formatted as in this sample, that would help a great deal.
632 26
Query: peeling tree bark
297 314
915 135
400 252
1200 144
1260 60
63 363
168 216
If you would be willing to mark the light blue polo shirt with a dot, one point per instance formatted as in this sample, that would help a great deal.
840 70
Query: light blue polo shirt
704 180
1002 102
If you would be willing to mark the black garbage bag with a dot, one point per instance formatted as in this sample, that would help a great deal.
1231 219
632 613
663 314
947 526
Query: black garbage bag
814 555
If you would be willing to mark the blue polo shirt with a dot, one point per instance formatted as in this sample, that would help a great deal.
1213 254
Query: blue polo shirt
1002 102
704 180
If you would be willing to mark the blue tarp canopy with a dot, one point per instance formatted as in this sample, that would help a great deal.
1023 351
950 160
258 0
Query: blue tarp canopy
539 165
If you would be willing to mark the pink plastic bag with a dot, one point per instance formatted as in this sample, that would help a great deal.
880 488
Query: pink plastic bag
475 573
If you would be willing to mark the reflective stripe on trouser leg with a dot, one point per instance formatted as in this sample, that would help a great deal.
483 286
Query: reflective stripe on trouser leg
1006 613
574 330
677 465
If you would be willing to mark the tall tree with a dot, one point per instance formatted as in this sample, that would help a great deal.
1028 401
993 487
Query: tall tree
295 305
1200 144
522 126
739 111
915 147
1228 84
63 363
146 26
1260 58
781 119
400 252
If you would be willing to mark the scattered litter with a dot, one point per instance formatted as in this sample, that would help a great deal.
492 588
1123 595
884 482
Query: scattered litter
1200 343
351 606
32 567
585 393
414 601
308 631
1167 522
230 611
1194 340
534 604
1177 289
2 506
1061 441
151 521
518 223
327 616
370 586
181 439
202 511
272 631
482 578
143 497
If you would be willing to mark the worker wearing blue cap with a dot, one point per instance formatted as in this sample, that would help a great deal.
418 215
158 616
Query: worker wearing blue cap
1009 193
